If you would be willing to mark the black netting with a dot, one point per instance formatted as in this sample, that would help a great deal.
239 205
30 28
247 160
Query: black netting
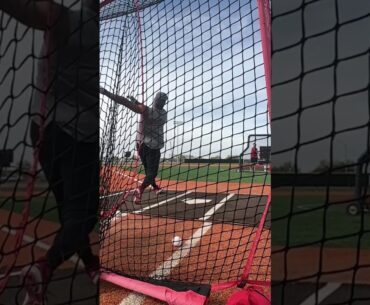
207 57
118 8
320 64
48 152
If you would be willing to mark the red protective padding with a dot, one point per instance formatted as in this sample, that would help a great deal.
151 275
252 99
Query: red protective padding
165 294
265 28
249 296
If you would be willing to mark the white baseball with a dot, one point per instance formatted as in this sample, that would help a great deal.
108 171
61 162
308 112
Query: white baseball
176 241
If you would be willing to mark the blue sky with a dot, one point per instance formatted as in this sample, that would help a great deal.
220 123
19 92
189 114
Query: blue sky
14 111
331 103
207 57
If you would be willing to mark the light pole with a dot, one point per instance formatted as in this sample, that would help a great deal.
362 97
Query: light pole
177 123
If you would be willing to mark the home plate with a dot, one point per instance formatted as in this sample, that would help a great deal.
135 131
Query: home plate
196 201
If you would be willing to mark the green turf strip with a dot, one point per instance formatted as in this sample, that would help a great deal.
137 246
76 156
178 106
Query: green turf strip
308 220
39 207
209 173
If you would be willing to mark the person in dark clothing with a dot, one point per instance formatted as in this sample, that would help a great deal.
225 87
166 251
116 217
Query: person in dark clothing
65 130
150 136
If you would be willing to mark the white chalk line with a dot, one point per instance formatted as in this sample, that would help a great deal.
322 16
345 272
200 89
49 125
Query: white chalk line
120 214
165 269
321 294
38 244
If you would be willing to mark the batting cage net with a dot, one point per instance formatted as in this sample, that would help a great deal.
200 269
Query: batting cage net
321 152
49 172
206 220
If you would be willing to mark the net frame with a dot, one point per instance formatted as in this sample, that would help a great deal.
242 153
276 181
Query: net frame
361 184
20 231
335 251
244 152
160 289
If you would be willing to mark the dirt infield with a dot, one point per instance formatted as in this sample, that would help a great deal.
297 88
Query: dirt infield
39 234
37 239
329 264
42 231
218 254
222 245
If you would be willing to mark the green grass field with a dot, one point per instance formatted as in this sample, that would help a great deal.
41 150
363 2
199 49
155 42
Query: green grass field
210 173
38 207
309 221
